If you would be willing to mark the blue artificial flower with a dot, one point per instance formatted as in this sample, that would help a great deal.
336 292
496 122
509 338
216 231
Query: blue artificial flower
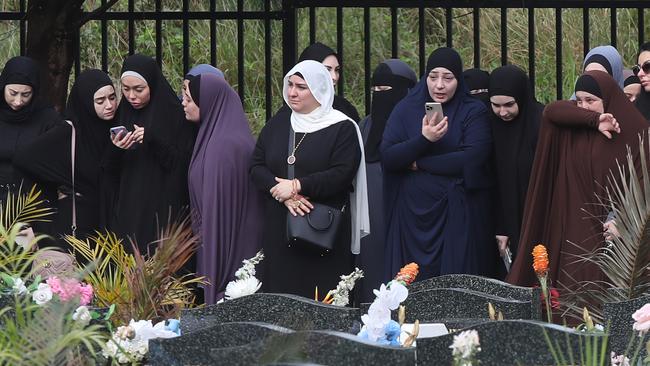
173 325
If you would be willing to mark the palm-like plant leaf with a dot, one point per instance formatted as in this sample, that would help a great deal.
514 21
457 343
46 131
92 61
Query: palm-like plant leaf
24 208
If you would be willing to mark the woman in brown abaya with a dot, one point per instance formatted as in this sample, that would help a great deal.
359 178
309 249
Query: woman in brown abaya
579 144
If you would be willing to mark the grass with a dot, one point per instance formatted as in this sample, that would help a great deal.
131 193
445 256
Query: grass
255 74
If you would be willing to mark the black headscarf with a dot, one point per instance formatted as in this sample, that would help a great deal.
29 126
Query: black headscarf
588 84
24 71
317 52
93 132
195 89
401 78
514 146
478 82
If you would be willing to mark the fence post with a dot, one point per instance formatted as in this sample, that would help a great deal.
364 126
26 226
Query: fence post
288 35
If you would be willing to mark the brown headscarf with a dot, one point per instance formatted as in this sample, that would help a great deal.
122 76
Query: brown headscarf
572 163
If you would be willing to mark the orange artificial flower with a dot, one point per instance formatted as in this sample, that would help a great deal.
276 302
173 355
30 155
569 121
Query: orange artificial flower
540 260
408 273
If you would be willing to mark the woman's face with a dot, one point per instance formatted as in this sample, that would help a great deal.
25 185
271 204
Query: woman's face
331 63
18 96
590 102
105 102
632 91
645 78
595 66
192 111
136 91
301 100
505 107
442 84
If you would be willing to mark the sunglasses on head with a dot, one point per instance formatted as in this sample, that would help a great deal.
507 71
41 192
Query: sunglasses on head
645 67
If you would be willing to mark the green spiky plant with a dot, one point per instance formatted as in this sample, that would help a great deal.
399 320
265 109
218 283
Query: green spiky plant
142 287
33 334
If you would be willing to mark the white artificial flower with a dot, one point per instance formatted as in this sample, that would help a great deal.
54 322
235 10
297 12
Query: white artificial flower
82 315
376 319
341 295
466 344
392 296
242 287
19 287
131 343
43 294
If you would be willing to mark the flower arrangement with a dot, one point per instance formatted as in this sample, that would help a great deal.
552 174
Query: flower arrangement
341 295
130 343
540 265
465 347
378 325
246 282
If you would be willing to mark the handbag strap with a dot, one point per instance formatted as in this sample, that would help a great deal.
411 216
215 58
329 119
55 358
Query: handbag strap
292 136
73 227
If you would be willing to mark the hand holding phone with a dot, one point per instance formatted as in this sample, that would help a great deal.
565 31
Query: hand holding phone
117 130
431 108
123 138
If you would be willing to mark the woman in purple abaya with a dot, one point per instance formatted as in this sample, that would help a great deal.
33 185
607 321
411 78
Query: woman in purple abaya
226 207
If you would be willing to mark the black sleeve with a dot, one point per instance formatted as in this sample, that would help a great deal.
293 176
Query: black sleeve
261 175
175 152
47 158
343 164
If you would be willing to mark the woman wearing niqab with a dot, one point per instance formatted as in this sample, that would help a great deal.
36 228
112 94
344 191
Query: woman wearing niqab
437 186
397 75
515 141
226 206
150 178
571 168
49 157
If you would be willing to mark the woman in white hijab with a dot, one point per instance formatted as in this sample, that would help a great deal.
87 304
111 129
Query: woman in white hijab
324 148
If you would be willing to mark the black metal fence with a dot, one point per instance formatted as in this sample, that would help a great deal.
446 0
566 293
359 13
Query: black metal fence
290 13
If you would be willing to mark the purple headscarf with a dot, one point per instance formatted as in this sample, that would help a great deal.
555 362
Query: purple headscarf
226 207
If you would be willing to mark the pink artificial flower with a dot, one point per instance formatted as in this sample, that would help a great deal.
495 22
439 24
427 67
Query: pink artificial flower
85 294
55 284
642 319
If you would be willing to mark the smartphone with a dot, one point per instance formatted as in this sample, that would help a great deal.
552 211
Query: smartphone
432 107
117 130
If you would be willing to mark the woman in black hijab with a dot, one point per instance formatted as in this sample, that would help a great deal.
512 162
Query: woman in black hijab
148 164
91 107
391 81
325 55
478 82
515 121
24 115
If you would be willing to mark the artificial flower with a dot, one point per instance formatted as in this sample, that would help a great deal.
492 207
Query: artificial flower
82 315
242 287
540 260
408 273
465 346
131 343
43 294
341 295
642 319
391 296
19 287
619 360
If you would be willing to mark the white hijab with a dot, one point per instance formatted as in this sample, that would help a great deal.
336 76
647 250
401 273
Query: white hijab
320 84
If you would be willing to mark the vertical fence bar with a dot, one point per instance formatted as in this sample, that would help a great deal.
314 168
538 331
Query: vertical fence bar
585 31
531 46
504 36
240 50
288 35
267 61
393 32
131 27
158 9
213 33
76 51
448 28
421 40
366 57
22 26
476 13
312 25
613 27
104 30
641 25
558 51
186 38
339 47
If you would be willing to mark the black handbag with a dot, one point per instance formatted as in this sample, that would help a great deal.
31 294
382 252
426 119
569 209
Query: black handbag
319 229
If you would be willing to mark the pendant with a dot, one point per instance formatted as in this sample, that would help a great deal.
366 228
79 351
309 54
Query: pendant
291 159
